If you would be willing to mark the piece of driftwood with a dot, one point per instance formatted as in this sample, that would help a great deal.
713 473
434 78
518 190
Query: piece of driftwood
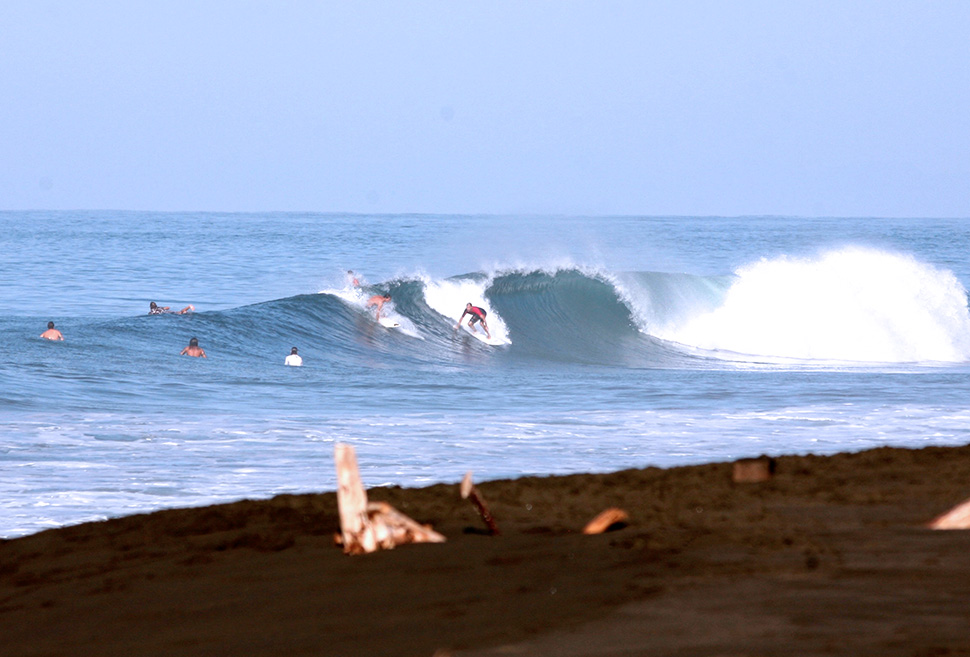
366 527
956 518
392 528
612 518
401 528
469 492
753 471
355 528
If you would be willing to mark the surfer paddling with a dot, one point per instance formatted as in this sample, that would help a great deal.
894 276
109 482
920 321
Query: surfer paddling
378 300
477 315
155 309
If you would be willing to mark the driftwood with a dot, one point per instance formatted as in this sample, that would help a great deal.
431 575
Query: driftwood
401 528
956 518
356 531
753 471
366 527
469 492
609 519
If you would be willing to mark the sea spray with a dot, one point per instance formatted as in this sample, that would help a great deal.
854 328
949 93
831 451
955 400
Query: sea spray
850 304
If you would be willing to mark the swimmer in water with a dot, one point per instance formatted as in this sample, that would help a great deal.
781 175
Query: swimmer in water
293 359
51 333
194 349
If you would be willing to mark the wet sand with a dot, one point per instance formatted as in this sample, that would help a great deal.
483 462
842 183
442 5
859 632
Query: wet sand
829 557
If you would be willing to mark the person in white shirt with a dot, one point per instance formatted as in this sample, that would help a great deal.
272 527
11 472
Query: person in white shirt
293 359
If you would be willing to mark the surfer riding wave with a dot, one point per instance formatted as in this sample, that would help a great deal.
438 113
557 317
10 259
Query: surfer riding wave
477 315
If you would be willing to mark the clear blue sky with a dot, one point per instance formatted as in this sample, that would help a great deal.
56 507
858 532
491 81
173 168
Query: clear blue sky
734 107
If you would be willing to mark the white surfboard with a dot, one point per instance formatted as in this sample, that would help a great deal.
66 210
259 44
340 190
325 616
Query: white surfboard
480 336
388 322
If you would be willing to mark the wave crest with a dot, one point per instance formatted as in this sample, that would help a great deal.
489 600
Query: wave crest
851 305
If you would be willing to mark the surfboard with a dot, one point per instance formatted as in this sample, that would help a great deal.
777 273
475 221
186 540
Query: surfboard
388 322
480 336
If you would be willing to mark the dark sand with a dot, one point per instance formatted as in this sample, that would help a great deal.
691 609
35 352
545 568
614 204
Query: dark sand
831 557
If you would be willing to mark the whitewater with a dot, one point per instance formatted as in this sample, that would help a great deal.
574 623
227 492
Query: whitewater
630 342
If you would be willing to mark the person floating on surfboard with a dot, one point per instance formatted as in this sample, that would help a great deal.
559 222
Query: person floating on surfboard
477 315
155 309
378 300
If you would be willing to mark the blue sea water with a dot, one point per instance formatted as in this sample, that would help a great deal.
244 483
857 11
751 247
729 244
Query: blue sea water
634 341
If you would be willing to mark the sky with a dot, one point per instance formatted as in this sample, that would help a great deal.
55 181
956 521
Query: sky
686 107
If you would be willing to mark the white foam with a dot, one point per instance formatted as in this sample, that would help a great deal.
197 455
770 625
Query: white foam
355 297
448 298
851 304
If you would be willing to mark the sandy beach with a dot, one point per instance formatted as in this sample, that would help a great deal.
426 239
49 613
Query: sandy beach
829 557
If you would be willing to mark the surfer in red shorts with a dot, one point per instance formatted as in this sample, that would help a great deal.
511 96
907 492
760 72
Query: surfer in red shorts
477 315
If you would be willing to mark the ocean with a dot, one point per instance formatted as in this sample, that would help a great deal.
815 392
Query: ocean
632 342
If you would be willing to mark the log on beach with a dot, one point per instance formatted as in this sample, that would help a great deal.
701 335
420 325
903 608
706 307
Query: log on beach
956 518
834 557
753 471
612 518
469 491
368 526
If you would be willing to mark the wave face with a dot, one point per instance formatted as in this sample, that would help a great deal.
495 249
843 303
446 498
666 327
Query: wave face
842 307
